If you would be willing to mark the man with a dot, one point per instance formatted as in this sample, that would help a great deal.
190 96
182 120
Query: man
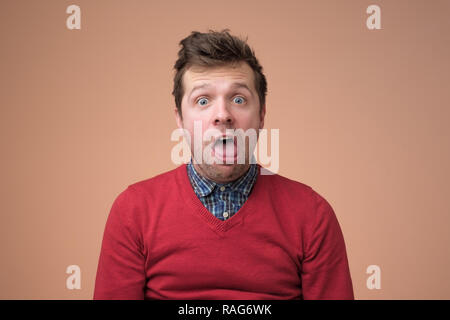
214 230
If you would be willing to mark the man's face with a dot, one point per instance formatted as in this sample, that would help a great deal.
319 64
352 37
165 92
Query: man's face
220 98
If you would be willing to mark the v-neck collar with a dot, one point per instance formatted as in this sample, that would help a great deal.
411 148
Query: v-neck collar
196 207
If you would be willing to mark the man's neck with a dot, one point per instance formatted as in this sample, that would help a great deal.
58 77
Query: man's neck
203 174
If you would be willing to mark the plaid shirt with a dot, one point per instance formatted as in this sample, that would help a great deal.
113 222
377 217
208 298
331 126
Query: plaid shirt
222 200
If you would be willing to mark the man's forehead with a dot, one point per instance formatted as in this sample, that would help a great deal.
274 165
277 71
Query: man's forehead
196 77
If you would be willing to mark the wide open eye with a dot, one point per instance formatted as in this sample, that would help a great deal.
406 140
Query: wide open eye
239 100
202 101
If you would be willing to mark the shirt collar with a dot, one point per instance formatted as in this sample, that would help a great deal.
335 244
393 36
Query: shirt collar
204 186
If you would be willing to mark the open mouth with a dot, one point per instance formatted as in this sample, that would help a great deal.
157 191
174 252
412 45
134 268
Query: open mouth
225 149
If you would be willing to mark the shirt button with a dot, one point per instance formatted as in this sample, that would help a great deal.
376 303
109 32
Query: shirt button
222 188
225 214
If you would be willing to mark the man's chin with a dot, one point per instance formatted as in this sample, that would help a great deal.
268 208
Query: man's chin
226 169
223 172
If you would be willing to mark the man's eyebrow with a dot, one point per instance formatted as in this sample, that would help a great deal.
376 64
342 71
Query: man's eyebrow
200 86
241 85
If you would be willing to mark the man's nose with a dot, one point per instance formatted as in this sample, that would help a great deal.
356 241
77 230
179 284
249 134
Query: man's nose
222 114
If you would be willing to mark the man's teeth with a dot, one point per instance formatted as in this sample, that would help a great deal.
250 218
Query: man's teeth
226 140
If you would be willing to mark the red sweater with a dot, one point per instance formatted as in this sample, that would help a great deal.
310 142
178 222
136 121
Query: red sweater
160 242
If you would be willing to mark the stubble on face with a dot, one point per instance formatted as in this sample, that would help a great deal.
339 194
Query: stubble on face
212 173
216 172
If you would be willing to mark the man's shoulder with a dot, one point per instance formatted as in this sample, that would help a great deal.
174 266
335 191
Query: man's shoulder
289 186
278 181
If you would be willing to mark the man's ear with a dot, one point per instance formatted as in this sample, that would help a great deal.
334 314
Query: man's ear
178 118
262 116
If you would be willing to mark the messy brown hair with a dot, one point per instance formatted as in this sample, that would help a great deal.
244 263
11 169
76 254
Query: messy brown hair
213 49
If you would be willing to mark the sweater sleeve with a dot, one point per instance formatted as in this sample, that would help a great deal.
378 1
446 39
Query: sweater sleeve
121 271
325 271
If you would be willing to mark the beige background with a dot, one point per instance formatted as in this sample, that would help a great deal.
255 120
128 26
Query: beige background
363 118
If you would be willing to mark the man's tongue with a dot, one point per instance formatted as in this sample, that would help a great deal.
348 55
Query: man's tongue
225 150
